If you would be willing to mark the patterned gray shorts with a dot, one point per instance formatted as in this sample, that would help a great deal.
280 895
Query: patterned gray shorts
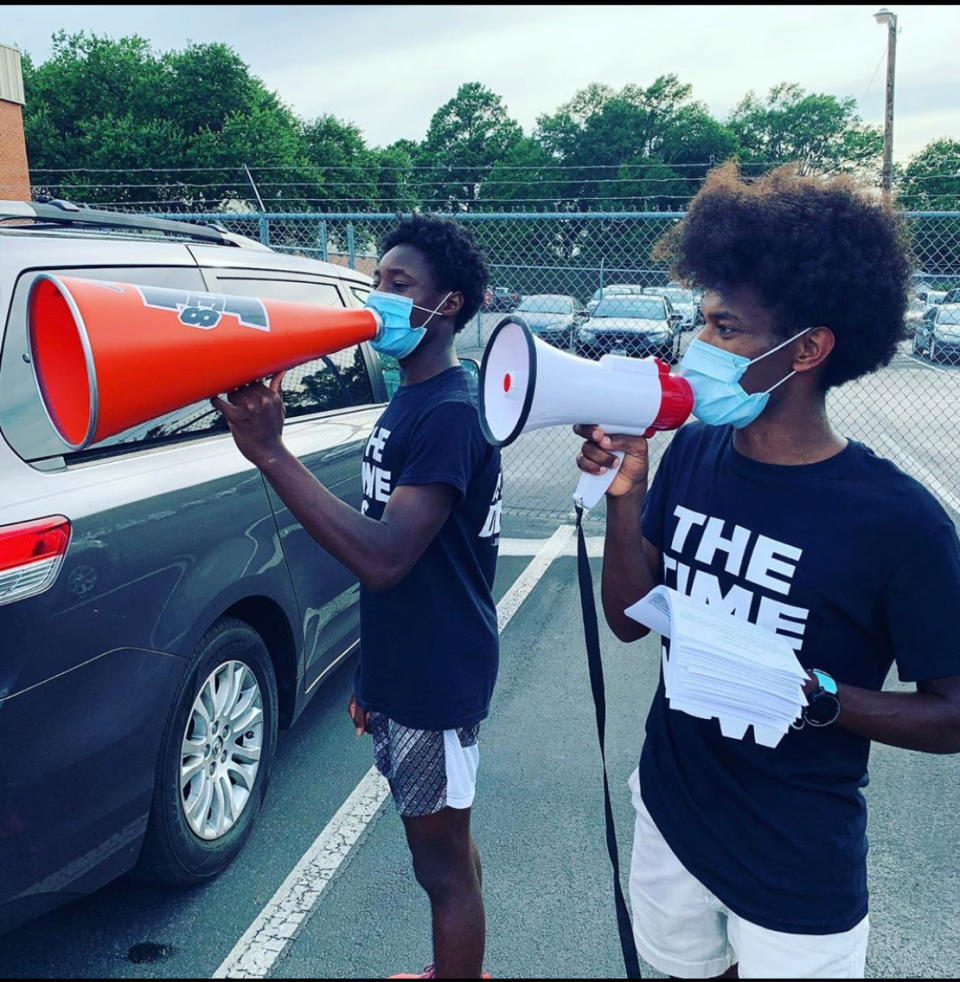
428 770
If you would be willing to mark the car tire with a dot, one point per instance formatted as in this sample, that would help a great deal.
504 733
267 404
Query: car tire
184 849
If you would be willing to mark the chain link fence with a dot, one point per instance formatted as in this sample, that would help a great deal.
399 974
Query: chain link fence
585 283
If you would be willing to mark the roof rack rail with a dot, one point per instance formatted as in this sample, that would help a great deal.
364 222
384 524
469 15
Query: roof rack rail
57 212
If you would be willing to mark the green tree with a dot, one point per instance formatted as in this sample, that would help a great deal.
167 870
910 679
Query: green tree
466 137
639 148
397 182
346 168
820 132
931 180
176 130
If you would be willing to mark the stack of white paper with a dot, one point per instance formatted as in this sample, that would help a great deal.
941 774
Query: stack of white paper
725 667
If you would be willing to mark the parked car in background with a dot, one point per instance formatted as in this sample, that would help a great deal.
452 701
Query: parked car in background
552 317
500 298
938 334
685 302
931 297
916 308
614 290
631 325
162 612
951 296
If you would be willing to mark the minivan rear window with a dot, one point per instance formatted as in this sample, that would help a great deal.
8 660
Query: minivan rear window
336 381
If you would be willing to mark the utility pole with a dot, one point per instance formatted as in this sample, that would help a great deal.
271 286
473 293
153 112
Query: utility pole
884 16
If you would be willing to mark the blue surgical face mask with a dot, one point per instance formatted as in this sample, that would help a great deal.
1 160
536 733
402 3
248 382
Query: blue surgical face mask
714 376
397 336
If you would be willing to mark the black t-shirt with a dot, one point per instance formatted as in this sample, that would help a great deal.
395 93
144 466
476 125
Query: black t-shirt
430 645
858 566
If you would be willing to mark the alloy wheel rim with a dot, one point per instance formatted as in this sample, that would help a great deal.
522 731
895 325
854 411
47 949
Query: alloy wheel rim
221 750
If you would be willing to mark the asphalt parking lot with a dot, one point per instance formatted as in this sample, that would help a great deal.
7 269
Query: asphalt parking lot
352 909
538 820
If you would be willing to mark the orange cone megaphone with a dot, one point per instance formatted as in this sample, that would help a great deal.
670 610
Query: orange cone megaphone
88 339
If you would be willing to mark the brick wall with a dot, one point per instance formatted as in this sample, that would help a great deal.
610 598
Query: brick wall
14 175
364 264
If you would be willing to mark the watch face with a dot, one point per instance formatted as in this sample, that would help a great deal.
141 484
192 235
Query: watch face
824 708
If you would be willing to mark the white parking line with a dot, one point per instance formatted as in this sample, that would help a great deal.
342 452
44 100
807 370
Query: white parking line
284 916
530 547
527 580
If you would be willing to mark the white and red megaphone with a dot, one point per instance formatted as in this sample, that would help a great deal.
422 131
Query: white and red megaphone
108 356
525 384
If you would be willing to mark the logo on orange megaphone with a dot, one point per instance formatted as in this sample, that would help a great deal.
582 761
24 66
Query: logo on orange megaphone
108 356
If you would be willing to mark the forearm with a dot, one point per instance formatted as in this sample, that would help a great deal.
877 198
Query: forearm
626 573
912 720
369 549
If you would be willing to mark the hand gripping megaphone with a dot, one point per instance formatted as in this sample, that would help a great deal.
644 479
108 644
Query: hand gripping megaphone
108 356
525 384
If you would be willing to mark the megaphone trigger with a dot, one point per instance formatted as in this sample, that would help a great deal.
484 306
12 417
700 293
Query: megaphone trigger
592 487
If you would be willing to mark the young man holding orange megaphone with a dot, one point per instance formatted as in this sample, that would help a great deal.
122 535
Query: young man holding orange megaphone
424 548
748 858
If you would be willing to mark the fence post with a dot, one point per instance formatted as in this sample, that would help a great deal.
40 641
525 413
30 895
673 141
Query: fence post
322 233
351 247
264 231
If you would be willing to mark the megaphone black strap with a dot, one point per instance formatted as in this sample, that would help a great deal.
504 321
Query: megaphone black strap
591 633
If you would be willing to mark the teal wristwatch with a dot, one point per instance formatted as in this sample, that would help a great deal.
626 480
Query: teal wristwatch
824 703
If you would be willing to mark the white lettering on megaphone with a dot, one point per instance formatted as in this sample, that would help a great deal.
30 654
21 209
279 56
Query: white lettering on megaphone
204 310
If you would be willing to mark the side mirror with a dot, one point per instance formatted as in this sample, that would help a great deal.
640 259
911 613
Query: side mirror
472 367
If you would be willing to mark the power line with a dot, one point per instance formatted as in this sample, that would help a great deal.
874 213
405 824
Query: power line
412 167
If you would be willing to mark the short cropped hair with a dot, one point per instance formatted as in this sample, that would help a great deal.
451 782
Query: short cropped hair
819 252
452 254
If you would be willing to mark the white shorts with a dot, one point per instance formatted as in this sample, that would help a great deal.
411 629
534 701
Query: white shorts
682 929
428 770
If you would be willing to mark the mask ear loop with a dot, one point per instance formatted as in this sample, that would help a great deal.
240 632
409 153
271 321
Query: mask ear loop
777 348
782 345
433 312
784 379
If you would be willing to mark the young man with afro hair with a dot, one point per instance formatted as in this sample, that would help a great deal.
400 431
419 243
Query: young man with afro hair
424 548
746 859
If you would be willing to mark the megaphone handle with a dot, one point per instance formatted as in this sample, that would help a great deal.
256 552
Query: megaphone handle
592 487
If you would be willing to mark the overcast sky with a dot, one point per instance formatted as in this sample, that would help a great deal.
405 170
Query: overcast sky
389 68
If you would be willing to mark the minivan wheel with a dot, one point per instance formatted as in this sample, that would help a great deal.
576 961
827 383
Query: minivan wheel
215 757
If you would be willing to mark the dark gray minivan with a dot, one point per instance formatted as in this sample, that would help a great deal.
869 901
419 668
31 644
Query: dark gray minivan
161 612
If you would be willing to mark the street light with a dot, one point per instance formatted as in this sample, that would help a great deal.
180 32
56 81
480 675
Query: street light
884 16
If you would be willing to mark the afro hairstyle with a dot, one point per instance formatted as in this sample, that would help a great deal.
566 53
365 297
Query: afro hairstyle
820 252
452 254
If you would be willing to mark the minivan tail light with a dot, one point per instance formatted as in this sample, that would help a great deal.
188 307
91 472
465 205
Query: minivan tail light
31 554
